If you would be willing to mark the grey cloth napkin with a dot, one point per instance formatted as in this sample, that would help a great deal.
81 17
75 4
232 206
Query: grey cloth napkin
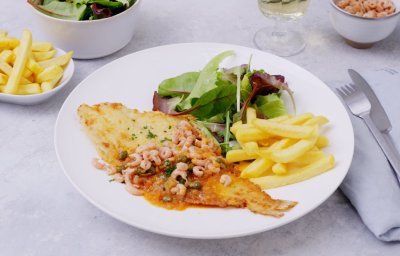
371 185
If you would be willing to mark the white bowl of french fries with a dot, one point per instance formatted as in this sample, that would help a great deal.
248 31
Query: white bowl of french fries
31 72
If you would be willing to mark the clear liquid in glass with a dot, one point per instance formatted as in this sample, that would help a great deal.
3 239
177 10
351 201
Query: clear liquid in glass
286 9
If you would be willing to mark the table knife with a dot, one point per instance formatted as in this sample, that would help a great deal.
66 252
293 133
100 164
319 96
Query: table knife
378 113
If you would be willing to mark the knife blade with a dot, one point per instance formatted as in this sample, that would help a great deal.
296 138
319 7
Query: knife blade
378 113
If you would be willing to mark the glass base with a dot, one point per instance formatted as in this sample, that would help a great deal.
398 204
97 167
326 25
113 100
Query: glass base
282 43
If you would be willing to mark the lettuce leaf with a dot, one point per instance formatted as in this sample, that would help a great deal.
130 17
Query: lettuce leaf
127 3
107 3
213 102
64 10
179 85
245 88
271 105
206 81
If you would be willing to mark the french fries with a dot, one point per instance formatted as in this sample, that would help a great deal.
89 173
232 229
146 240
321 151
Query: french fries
283 130
257 168
28 67
307 172
283 150
57 61
20 63
42 56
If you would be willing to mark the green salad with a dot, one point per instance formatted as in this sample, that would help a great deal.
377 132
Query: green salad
219 97
81 9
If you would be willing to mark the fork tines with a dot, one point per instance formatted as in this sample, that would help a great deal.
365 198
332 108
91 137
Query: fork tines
347 90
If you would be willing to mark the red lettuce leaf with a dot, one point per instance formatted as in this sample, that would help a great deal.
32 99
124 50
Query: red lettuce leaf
263 84
100 12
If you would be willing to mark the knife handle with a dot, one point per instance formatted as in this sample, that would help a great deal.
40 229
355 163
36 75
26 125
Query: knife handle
389 150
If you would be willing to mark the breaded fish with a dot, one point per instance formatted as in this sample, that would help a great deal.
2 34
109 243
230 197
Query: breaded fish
114 128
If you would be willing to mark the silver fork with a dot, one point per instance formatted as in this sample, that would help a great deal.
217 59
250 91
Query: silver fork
360 106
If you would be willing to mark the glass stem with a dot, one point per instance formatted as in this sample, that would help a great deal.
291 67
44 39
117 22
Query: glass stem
280 28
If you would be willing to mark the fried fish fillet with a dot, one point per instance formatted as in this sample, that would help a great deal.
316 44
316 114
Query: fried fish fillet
113 127
241 193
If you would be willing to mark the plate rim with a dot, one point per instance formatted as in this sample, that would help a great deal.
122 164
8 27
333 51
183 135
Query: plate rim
117 216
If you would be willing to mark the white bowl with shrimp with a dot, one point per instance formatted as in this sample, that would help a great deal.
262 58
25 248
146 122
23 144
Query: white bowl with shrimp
363 32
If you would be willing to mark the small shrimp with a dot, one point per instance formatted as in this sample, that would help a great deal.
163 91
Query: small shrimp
343 3
185 125
132 188
200 162
215 170
370 14
389 10
179 190
198 171
165 152
381 14
145 164
225 180
111 170
156 160
136 159
175 138
146 155
176 173
189 141
98 164
176 152
188 133
136 179
145 147
197 143
118 177
182 167
153 156
193 153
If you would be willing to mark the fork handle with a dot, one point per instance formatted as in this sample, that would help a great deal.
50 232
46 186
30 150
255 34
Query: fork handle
388 149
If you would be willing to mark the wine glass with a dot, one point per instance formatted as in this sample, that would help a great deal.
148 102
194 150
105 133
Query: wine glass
280 39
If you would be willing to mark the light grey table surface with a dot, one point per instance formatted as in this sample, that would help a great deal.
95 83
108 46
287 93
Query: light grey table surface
42 214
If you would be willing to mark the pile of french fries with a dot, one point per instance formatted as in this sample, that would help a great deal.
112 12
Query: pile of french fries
28 67
280 151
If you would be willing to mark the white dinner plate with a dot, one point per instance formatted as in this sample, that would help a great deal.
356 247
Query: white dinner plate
132 80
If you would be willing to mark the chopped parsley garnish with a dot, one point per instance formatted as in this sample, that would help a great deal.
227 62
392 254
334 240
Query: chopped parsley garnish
165 139
169 168
150 135
121 168
145 127
169 127
133 137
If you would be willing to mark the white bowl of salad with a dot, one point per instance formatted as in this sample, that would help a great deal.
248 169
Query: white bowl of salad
91 28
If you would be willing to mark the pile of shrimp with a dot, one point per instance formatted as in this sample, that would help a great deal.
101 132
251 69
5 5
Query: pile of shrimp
189 152
368 8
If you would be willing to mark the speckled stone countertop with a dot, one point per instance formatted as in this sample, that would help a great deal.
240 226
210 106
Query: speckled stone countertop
42 214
